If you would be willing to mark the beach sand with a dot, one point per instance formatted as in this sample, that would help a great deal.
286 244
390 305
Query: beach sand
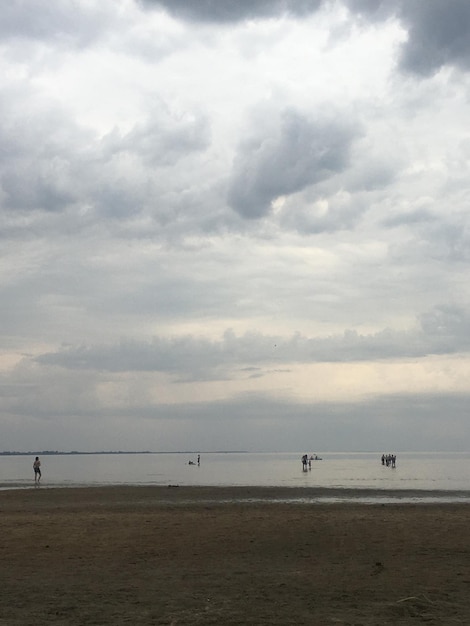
186 555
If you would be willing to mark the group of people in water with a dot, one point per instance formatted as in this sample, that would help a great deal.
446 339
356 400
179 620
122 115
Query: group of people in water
307 461
390 460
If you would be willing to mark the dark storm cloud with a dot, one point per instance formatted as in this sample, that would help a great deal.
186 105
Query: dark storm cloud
438 35
229 11
284 160
438 31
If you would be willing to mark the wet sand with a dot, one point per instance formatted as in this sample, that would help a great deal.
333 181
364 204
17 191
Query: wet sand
190 555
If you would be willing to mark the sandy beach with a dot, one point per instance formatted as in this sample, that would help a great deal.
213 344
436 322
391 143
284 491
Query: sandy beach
177 556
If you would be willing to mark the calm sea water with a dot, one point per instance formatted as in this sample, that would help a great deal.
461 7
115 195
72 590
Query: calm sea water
427 472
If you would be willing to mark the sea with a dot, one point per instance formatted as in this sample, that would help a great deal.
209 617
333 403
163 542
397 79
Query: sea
335 476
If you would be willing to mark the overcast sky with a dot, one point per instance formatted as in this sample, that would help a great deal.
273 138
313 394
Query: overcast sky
235 225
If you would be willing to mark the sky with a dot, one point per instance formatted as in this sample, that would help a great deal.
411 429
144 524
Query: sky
235 225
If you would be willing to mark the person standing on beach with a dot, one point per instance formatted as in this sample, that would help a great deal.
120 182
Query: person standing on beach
37 470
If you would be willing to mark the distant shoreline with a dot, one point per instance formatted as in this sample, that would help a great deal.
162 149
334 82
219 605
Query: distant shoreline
198 451
78 452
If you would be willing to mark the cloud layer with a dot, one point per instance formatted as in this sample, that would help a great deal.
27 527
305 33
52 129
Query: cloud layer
234 225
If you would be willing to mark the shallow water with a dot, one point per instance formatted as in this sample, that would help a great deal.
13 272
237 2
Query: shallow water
427 472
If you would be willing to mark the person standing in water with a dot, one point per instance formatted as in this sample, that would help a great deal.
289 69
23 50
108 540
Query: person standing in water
37 470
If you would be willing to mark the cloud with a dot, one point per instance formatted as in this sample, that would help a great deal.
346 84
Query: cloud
63 21
226 11
50 163
438 32
373 10
438 35
171 170
397 422
444 330
162 139
283 160
316 212
418 216
39 149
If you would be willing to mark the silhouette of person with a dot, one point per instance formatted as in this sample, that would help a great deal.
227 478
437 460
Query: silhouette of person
37 470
